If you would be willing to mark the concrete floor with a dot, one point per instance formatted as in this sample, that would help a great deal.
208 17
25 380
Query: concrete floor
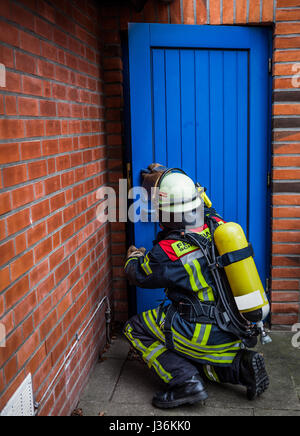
121 385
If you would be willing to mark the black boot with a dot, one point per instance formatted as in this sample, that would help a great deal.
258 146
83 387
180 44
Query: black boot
190 392
253 373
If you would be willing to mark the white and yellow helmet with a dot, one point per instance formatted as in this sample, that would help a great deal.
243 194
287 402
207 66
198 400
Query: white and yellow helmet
178 201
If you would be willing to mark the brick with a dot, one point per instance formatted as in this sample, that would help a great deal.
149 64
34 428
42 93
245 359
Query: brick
28 348
22 16
49 51
52 185
22 265
286 212
39 272
23 309
287 56
43 28
254 11
11 105
288 42
267 11
215 12
10 369
286 236
33 86
287 15
201 11
34 128
287 3
30 150
22 196
9 34
9 153
28 106
36 233
188 12
286 109
30 43
13 82
18 221
287 28
14 175
241 12
47 108
46 69
37 169
6 56
25 63
40 210
4 279
286 161
228 6
53 127
7 252
285 284
11 129
50 147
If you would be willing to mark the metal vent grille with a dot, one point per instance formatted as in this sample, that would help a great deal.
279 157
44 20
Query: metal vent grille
21 403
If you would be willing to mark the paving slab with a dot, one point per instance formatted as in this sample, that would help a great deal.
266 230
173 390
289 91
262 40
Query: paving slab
122 386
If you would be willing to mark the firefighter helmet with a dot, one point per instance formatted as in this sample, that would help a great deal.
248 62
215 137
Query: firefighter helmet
179 203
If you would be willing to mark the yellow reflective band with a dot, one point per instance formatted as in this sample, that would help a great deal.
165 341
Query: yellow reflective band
161 372
146 267
206 334
211 373
211 357
152 326
199 273
191 276
180 248
128 260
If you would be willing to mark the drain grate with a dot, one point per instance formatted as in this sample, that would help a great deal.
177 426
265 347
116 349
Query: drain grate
21 403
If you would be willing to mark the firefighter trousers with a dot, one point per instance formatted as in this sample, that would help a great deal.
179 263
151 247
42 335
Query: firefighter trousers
173 366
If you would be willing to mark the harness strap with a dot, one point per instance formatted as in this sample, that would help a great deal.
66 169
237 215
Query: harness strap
235 256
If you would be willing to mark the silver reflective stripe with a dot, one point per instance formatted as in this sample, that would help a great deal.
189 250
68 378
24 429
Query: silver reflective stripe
159 347
196 278
206 348
188 258
201 333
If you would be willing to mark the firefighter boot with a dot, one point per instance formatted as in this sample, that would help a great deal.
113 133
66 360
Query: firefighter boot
253 373
190 392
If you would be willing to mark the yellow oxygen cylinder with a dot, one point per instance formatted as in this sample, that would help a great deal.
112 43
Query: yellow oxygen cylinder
243 277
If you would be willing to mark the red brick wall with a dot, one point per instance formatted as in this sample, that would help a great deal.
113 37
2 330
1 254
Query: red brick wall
286 123
54 255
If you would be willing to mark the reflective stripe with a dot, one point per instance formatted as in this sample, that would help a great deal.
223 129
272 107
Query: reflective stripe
152 351
201 333
215 358
152 326
146 267
166 376
211 373
135 342
128 260
205 348
188 258
192 277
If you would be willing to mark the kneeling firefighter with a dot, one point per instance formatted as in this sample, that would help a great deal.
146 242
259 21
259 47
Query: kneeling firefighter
216 302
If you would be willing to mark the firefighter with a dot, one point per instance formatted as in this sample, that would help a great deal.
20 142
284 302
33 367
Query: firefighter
183 341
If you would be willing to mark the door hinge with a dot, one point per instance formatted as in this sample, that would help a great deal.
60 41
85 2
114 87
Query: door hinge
270 65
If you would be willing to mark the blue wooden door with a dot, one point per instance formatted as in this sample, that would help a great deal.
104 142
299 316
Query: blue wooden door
199 101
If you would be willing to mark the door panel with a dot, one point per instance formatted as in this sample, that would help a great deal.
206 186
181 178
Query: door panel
199 107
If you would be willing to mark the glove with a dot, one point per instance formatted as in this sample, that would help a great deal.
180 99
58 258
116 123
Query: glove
136 252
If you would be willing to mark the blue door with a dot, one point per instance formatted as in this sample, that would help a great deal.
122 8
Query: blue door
200 101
